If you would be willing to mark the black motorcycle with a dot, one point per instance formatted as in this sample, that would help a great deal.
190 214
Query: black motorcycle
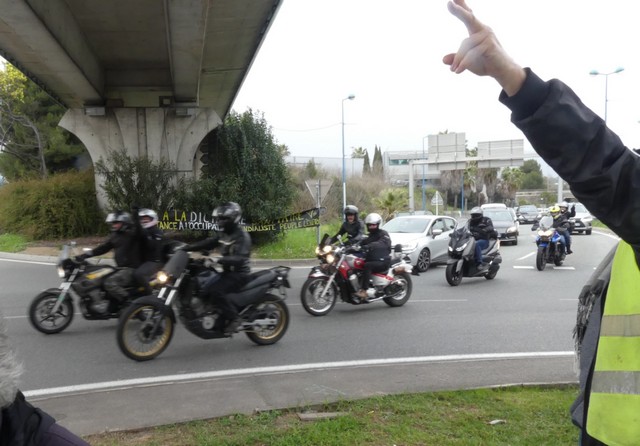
52 310
461 261
146 327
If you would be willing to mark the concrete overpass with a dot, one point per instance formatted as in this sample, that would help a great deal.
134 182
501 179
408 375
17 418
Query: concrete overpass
153 77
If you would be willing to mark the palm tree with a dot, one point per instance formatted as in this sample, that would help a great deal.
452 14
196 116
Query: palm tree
390 201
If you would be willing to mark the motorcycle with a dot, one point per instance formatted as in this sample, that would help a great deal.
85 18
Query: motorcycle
52 310
551 248
461 261
146 327
339 275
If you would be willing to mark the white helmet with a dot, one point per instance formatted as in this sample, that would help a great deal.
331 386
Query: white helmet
373 219
148 213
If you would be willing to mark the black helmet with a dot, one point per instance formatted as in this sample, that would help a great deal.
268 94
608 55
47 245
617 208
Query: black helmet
475 214
351 210
227 216
124 218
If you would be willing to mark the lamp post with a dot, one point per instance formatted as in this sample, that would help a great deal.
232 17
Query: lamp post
606 86
424 188
344 167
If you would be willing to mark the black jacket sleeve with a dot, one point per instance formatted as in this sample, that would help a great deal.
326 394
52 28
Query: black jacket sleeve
206 244
602 173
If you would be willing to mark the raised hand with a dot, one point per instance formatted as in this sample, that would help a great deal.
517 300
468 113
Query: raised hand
481 53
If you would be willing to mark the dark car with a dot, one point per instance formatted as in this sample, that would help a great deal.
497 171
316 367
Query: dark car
527 213
504 224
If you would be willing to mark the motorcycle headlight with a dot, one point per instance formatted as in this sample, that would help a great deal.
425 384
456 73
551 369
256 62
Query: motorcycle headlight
61 272
327 249
162 277
330 258
461 247
317 250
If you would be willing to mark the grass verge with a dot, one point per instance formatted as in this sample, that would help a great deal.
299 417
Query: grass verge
12 243
524 416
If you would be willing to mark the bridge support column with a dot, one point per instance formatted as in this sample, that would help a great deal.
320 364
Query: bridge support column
157 133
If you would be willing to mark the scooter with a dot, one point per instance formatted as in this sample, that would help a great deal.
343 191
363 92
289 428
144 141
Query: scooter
461 261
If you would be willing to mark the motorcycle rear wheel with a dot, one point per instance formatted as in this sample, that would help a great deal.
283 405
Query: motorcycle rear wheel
311 300
541 259
453 278
136 336
275 309
40 313
402 298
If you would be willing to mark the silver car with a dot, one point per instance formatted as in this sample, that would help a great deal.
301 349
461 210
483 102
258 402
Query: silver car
582 220
424 238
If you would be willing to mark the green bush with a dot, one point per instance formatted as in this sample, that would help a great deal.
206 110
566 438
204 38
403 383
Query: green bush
61 206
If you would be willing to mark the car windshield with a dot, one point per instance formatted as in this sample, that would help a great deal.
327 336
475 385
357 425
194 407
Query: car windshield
581 209
407 225
498 215
528 209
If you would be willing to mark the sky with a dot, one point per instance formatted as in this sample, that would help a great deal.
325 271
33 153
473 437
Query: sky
389 55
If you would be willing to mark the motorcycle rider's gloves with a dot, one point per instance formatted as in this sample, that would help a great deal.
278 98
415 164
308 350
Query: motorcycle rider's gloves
82 257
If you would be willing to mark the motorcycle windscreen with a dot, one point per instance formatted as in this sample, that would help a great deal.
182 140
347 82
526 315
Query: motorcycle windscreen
178 262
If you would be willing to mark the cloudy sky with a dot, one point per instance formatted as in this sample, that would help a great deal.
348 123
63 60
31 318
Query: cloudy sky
389 55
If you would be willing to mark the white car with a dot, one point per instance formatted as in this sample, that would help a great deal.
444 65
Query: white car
582 220
424 238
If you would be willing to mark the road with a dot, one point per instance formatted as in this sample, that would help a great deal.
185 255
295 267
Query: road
521 312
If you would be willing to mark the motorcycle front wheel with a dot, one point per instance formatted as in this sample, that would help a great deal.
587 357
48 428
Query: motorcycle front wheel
276 313
311 296
144 331
541 258
453 277
41 316
401 298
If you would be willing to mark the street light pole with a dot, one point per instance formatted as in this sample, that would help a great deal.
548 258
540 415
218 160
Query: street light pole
606 86
424 192
344 167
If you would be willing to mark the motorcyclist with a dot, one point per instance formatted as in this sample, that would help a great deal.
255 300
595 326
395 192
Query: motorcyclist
125 241
561 224
481 228
564 210
352 226
377 247
235 247
152 245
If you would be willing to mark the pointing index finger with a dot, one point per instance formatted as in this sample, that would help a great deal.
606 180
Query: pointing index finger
460 9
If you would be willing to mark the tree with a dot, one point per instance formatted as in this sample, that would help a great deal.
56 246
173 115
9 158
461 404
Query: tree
137 181
391 200
532 175
366 165
511 180
245 143
358 152
32 143
377 165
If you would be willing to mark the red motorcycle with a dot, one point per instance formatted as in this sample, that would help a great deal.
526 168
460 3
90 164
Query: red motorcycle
339 275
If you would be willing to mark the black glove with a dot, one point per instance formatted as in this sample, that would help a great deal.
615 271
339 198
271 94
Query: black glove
82 257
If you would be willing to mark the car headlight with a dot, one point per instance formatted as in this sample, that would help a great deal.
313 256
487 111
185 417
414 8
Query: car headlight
587 219
408 247
512 229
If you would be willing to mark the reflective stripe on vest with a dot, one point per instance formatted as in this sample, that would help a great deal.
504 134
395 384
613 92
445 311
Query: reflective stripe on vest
613 415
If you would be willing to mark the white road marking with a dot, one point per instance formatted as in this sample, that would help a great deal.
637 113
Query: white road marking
522 267
186 377
26 261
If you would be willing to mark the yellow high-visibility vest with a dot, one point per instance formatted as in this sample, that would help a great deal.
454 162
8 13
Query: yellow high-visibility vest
613 415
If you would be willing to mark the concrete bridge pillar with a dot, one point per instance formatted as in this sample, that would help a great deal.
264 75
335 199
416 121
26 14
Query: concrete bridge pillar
157 133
